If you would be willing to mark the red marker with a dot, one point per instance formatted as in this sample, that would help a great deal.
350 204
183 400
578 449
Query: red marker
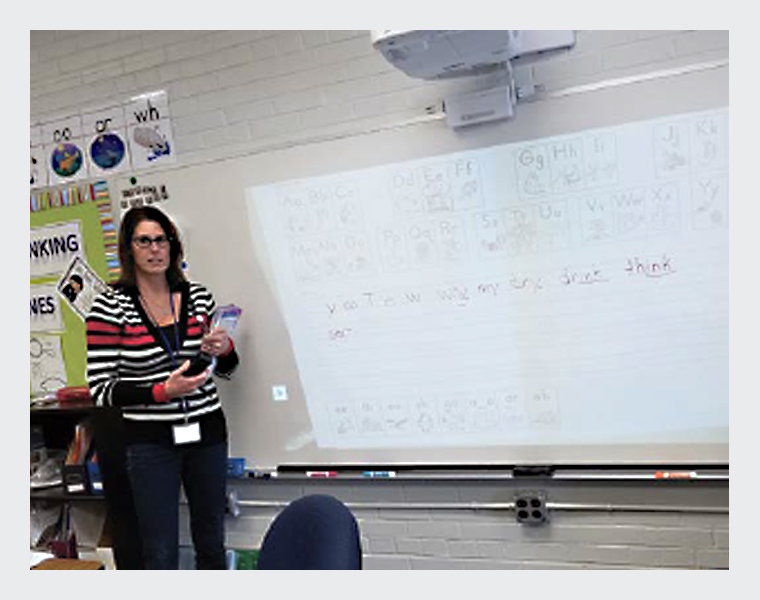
675 475
323 474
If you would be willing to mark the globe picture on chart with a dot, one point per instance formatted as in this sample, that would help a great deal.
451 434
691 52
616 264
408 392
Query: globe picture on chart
107 150
66 159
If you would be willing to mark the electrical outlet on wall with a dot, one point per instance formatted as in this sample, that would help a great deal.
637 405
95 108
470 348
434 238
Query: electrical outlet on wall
530 508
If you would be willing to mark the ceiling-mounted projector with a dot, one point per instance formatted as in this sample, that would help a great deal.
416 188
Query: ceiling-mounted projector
442 54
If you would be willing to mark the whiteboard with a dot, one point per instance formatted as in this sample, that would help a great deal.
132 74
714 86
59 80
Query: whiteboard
550 292
553 291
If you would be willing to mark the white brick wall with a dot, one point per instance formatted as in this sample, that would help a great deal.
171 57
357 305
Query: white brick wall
237 91
429 538
233 92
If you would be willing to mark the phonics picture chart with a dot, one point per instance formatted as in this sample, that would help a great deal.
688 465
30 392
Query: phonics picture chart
571 289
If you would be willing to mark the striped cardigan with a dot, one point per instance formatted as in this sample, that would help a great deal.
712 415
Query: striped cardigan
126 357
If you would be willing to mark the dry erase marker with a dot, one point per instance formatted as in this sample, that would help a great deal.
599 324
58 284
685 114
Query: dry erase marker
379 473
262 474
318 474
675 475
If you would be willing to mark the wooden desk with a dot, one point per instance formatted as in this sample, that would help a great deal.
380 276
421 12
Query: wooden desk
68 564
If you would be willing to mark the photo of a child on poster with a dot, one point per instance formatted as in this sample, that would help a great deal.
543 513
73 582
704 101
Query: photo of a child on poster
79 286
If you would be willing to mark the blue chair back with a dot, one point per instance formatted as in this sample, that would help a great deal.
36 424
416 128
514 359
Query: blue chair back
314 532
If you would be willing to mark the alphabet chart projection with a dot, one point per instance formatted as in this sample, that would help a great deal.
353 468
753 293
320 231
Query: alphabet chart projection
565 290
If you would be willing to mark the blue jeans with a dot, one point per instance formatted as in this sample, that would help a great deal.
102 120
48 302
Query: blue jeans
155 473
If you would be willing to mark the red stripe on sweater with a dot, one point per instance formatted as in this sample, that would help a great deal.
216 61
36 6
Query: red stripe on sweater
135 329
100 326
193 331
137 340
103 340
115 340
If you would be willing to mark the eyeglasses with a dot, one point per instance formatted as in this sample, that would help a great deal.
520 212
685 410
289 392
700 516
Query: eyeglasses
145 241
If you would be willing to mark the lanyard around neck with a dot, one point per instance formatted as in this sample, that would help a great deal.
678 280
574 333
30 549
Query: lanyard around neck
165 340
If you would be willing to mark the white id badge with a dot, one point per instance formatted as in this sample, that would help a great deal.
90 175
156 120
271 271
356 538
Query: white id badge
186 433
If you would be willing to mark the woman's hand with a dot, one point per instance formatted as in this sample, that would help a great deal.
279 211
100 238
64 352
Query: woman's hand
178 385
216 342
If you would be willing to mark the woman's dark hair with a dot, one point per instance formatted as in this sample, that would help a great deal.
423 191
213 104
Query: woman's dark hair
129 222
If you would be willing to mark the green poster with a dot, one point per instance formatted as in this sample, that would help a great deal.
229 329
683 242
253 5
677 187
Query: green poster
72 234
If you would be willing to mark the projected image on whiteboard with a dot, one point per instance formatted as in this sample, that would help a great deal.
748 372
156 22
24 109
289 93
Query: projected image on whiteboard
566 290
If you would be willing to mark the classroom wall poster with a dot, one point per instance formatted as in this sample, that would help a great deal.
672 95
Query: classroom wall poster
150 131
130 192
47 369
52 248
64 150
136 134
38 175
106 132
44 309
79 287
67 223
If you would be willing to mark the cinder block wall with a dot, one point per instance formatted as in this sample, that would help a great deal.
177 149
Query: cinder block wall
233 92
414 525
238 92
